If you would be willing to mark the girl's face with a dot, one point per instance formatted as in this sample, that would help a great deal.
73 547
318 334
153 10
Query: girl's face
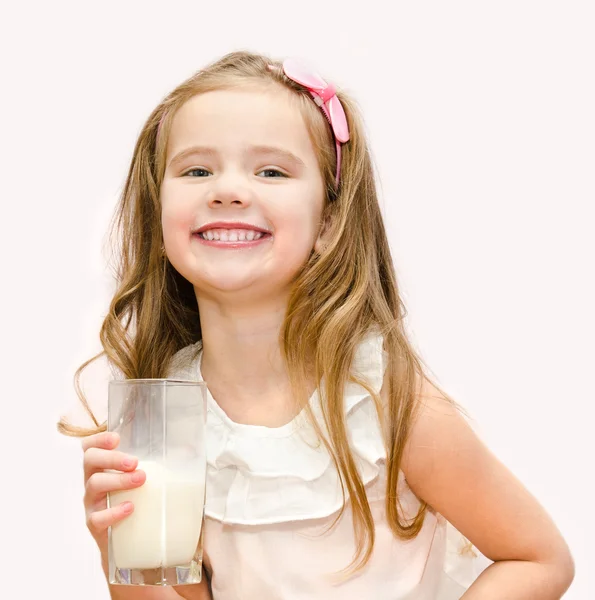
241 156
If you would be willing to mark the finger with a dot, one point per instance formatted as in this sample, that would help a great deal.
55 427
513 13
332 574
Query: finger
99 484
106 439
100 520
98 459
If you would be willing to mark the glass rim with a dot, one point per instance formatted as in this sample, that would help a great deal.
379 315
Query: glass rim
154 381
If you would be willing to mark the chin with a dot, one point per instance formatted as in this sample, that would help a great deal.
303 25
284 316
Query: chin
271 279
242 288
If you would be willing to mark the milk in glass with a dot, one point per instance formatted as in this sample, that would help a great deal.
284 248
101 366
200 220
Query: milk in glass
164 528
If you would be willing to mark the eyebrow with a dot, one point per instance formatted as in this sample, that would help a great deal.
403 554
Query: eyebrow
258 149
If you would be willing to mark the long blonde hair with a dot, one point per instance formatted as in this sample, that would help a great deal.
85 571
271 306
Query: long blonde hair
338 295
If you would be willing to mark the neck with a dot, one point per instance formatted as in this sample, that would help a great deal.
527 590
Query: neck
241 358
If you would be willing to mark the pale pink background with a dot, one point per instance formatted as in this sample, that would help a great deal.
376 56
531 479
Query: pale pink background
482 124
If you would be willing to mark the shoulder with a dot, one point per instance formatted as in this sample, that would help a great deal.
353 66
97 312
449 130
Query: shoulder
436 421
438 427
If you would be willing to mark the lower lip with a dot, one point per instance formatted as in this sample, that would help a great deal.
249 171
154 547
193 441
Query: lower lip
231 245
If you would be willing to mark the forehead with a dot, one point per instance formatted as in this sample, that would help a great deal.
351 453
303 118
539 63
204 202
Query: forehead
229 118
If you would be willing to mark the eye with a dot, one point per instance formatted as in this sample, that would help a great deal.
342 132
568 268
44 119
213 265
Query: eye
202 172
276 173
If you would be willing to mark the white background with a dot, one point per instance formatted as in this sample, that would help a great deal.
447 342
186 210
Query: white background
481 121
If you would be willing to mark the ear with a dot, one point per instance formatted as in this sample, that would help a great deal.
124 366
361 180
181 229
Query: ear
323 235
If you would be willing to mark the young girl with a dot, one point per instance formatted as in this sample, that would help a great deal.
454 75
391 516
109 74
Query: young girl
254 255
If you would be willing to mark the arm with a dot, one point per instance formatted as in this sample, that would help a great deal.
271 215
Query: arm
448 466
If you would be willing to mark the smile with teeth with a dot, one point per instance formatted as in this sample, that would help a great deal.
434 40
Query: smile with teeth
231 235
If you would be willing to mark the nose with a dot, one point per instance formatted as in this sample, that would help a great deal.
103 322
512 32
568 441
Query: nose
230 190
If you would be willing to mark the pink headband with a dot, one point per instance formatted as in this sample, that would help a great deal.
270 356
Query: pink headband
324 94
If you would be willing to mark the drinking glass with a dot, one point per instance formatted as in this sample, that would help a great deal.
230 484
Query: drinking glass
162 422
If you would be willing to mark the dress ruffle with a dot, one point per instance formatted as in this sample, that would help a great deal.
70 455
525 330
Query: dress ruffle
261 475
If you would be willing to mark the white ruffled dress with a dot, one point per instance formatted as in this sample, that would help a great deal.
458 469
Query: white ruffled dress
272 493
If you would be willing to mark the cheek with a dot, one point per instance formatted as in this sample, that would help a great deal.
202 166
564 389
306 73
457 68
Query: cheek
297 228
177 219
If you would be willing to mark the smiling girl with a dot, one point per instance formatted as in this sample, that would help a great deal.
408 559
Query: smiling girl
254 256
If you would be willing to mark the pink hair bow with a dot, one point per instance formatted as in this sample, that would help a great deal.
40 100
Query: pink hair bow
324 94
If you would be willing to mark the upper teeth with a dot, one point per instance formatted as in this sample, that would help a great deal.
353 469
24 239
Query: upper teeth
231 235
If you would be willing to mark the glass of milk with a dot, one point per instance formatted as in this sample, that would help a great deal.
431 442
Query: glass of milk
161 422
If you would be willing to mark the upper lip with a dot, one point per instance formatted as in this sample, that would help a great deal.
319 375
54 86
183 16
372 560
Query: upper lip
230 225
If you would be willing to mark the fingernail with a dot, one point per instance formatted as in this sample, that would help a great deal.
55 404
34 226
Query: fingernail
127 507
127 463
137 477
